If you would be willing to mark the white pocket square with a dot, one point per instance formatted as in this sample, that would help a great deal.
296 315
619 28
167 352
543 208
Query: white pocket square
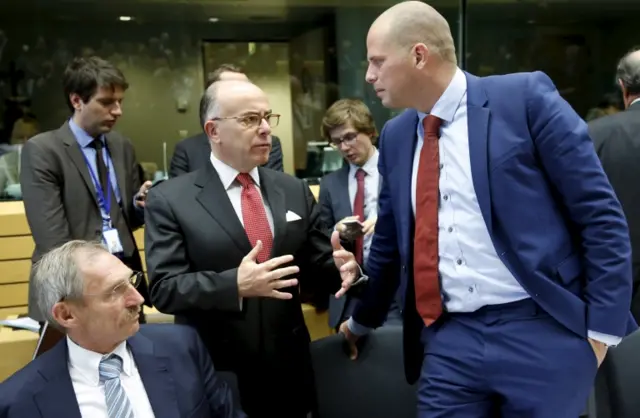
292 216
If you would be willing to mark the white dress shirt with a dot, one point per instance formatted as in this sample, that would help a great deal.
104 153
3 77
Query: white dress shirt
371 191
228 176
85 377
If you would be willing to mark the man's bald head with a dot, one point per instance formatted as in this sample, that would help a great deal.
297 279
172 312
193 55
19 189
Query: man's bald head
412 22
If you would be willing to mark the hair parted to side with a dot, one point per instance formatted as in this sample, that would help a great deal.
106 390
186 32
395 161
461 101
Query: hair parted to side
84 76
628 71
56 275
414 22
352 111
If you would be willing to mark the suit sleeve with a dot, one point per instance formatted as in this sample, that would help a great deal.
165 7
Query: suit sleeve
275 156
383 262
173 287
567 154
217 391
317 254
179 161
137 177
42 198
326 208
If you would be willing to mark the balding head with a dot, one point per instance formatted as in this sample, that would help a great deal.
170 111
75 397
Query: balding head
412 22
411 54
237 123
628 74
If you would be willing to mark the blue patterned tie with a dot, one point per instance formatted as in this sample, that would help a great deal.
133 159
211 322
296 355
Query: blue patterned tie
118 405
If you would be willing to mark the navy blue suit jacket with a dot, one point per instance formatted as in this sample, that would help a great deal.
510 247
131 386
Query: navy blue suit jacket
553 217
174 365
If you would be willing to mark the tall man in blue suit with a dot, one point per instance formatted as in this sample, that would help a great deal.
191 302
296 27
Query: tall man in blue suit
105 367
513 250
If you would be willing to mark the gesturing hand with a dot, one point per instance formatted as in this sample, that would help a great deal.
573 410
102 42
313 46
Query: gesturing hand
346 263
264 279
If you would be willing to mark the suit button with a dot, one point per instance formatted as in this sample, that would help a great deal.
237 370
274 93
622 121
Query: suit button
404 269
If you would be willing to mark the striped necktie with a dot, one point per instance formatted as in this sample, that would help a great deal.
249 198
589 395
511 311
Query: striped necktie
118 405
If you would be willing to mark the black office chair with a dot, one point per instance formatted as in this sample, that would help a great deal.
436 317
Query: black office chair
373 386
616 388
231 379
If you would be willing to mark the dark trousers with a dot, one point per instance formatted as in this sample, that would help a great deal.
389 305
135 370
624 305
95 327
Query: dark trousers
509 361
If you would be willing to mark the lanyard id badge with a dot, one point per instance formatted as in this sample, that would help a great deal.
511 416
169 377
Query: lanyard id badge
110 236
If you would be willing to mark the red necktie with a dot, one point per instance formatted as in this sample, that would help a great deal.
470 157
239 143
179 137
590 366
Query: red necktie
425 243
254 217
358 209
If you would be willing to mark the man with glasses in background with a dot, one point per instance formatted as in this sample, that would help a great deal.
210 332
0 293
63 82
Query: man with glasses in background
349 196
226 246
108 365
192 153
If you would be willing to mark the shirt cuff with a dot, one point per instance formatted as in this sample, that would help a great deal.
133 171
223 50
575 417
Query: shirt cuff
608 340
240 303
357 329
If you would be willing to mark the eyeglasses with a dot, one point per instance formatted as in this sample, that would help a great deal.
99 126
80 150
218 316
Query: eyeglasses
253 120
348 139
119 289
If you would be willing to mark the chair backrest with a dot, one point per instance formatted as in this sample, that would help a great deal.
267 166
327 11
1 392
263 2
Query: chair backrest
373 386
49 336
231 379
616 390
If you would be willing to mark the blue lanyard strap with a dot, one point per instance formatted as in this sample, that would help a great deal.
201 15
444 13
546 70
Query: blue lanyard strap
104 196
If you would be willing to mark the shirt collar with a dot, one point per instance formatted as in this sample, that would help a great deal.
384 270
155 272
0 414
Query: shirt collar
634 102
82 137
370 167
229 174
87 362
446 106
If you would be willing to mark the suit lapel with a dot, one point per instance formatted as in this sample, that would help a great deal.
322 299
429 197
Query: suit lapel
156 376
343 198
75 155
116 152
409 139
274 196
213 198
478 127
57 399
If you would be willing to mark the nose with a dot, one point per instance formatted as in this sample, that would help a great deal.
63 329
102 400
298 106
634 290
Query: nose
134 297
370 77
264 127
117 109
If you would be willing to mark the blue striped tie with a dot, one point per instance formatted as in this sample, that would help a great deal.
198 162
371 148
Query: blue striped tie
118 405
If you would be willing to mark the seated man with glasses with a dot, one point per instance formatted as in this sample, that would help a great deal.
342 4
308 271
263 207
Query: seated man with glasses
226 245
351 193
109 365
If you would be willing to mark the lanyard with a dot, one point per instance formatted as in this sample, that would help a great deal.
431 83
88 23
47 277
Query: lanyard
104 200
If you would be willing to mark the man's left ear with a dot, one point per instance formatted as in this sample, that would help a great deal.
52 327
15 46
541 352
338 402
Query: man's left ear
420 55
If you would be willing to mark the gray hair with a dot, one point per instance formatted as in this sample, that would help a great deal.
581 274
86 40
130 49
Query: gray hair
209 106
628 71
56 275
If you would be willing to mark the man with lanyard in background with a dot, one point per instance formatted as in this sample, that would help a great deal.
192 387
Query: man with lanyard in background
82 181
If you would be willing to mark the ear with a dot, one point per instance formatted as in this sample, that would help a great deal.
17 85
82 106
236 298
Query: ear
64 315
420 54
76 101
211 129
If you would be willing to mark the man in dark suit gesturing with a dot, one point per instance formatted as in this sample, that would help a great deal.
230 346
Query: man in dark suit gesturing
192 153
82 181
225 246
513 250
617 141
108 365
